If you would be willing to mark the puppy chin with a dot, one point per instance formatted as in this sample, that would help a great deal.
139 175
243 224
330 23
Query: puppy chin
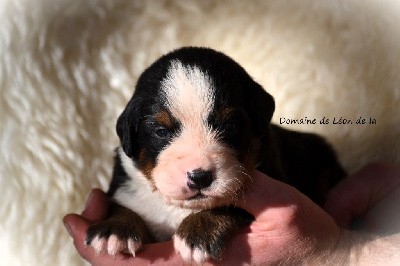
200 202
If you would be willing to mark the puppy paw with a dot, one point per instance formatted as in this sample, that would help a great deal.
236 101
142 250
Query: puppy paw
197 243
203 235
114 237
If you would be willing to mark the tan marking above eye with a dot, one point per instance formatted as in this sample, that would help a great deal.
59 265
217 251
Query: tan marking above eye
164 119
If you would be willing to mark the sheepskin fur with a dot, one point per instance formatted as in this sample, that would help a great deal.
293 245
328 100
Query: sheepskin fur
67 69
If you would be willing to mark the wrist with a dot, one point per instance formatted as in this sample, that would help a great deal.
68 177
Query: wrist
338 252
355 248
369 249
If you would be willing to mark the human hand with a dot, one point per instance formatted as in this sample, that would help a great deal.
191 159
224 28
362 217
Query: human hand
368 199
289 228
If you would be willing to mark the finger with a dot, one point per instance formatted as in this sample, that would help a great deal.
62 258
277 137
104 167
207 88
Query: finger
159 254
383 217
356 194
96 206
246 254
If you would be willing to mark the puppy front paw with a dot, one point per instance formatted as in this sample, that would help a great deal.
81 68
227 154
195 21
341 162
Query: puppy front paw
203 235
114 237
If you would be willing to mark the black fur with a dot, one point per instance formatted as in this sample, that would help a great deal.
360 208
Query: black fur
119 176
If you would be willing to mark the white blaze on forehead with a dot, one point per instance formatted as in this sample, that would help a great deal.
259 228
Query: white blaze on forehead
190 96
189 92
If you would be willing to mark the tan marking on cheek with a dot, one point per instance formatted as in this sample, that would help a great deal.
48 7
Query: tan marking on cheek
146 167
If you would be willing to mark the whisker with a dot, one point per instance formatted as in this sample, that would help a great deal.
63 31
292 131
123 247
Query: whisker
238 194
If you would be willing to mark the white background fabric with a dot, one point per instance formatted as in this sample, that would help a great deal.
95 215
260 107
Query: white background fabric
67 69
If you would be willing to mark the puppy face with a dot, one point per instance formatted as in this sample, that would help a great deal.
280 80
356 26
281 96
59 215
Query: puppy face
193 126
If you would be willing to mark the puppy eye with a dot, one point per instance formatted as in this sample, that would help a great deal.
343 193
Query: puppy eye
162 132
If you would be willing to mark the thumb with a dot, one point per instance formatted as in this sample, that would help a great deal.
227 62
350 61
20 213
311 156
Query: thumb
264 195
77 227
97 204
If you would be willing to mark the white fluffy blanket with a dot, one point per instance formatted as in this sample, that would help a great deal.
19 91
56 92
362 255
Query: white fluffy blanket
67 68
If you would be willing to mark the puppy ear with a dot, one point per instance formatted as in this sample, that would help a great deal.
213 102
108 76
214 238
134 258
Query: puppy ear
261 109
127 127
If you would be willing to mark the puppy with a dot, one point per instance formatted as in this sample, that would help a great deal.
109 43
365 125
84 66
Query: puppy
194 127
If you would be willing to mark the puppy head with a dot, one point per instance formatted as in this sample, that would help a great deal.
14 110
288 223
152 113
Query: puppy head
192 127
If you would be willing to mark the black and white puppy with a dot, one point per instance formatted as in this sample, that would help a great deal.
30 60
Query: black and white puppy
195 126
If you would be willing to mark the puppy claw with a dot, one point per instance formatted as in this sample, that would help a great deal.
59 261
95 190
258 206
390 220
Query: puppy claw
133 246
188 254
114 245
113 238
200 256
98 243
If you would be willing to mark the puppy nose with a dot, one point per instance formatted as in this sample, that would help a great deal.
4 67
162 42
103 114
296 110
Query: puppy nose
199 179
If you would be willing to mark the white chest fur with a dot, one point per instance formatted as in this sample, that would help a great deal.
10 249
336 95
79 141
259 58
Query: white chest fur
161 218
